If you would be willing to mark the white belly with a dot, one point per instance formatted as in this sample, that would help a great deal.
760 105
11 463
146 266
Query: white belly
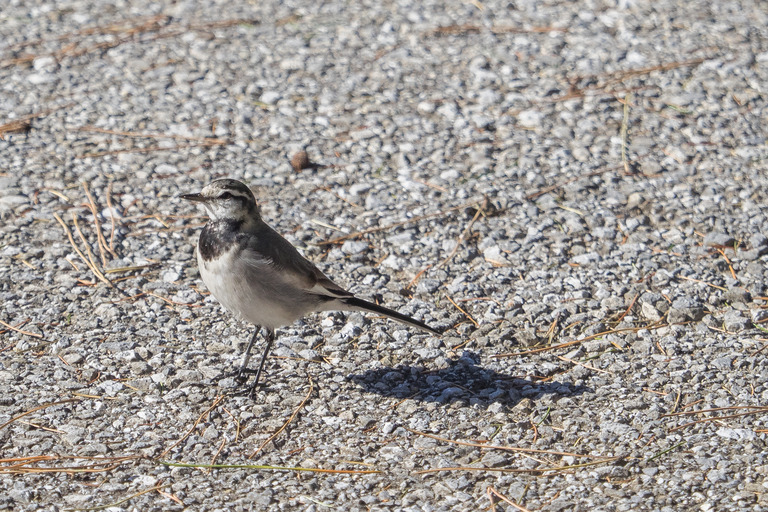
253 291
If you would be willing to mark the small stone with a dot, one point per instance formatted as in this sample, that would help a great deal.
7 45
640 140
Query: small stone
719 240
586 258
301 161
734 321
354 247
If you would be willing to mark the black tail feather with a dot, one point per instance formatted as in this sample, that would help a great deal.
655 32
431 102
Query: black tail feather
364 305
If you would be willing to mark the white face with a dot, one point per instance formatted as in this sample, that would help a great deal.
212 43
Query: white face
226 199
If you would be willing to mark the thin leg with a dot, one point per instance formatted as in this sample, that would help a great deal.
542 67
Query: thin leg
242 373
270 338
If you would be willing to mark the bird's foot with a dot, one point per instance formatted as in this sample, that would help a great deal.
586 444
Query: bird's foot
241 375
249 390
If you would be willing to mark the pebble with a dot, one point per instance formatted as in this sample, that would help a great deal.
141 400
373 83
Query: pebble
419 114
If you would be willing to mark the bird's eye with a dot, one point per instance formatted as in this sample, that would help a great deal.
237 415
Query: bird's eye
225 195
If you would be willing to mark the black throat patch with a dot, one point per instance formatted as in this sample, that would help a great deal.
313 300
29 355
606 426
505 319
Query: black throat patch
218 237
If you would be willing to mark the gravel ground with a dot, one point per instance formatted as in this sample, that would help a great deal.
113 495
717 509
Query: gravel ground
603 348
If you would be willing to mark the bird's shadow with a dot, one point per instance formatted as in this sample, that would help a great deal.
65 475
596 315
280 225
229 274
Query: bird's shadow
463 380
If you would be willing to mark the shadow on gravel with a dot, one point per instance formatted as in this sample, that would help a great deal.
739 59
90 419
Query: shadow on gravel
463 380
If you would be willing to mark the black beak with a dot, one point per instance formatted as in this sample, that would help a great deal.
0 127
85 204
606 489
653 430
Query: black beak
193 197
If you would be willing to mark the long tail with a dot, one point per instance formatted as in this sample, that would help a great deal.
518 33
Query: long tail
363 305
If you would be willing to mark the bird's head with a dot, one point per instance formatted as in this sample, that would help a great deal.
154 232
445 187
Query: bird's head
226 199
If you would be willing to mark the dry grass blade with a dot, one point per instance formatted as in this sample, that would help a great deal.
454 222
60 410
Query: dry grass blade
604 80
579 363
97 465
44 406
64 469
17 126
120 270
197 422
216 455
505 448
208 140
704 282
79 252
274 468
493 492
102 243
719 418
618 76
450 30
629 308
111 219
150 149
126 500
91 264
295 412
104 29
24 124
581 340
122 33
419 218
546 190
758 408
11 327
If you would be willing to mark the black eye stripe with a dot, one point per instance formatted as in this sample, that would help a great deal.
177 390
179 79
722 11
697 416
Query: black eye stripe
225 195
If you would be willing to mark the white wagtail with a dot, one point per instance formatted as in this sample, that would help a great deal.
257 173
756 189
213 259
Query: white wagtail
258 275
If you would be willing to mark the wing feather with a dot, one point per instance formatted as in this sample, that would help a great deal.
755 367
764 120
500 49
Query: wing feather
293 268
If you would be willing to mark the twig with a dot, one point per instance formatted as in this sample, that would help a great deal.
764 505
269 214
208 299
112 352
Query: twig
629 308
295 412
465 313
416 278
625 132
111 220
464 234
33 334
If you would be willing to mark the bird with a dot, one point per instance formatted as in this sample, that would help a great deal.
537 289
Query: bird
260 276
